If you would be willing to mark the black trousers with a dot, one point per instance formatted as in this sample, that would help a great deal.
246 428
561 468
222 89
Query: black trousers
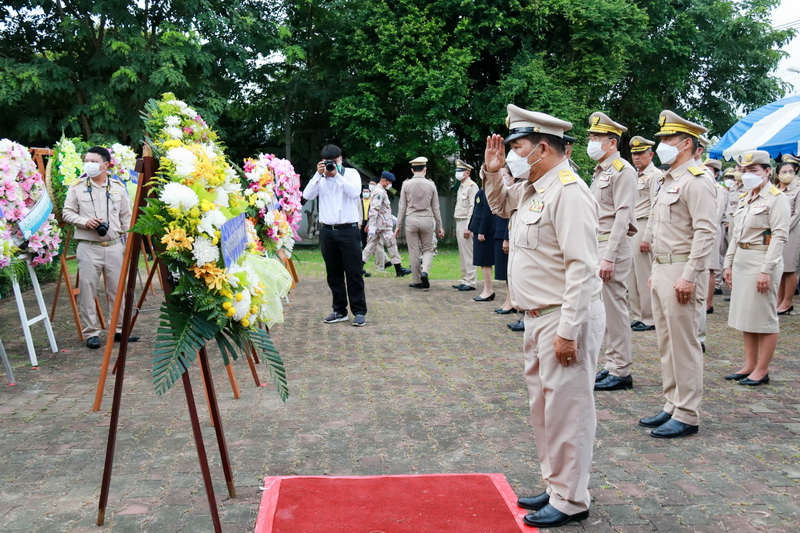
341 250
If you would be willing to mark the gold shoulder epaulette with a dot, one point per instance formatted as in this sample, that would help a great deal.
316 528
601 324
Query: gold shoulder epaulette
697 171
567 176
774 191
743 195
618 164
75 182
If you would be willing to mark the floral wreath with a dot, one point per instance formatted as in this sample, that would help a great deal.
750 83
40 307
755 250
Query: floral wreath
272 189
21 186
196 191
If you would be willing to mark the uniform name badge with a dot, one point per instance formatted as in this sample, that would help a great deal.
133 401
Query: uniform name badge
536 206
673 190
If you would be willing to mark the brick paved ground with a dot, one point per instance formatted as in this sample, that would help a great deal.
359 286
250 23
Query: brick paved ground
431 384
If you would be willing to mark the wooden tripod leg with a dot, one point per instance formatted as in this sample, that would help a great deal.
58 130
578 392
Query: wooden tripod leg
232 379
223 446
252 365
205 391
201 450
147 268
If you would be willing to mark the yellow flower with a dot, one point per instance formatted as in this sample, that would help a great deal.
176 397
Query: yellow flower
244 322
227 305
194 212
177 239
239 296
172 143
213 276
206 206
231 311
253 310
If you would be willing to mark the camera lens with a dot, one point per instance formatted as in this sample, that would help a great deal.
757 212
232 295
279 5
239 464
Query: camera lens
102 229
330 166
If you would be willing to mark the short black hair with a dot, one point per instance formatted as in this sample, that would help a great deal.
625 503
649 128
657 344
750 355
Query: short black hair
418 168
102 152
695 140
330 151
558 144
779 166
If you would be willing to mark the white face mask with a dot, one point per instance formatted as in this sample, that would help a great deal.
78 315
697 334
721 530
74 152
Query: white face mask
91 169
519 165
595 150
388 186
371 187
750 180
365 195
459 175
666 153
729 183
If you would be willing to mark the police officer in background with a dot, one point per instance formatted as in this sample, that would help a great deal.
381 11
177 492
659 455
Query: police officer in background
465 203
647 184
614 188
100 210
684 230
379 225
553 278
419 209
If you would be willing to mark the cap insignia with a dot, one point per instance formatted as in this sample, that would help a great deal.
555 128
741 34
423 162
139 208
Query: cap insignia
636 142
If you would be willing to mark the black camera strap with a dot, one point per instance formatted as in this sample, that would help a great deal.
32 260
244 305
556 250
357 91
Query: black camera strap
89 186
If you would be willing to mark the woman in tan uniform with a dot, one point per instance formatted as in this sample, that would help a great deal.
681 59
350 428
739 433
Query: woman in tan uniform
754 265
789 185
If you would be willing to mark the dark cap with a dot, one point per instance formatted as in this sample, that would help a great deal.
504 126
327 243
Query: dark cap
388 176
569 139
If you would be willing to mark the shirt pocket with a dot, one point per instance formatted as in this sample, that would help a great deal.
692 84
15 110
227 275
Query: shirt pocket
604 193
87 207
527 233
667 208
757 218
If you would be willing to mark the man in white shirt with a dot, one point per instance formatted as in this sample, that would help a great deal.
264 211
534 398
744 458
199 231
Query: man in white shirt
338 190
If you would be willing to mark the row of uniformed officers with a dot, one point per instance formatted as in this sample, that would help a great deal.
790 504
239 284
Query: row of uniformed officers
577 251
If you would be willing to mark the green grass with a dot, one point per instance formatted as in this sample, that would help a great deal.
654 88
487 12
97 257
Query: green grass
308 261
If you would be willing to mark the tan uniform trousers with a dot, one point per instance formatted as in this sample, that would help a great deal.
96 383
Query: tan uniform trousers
92 260
385 238
618 320
681 356
468 270
562 406
638 291
419 238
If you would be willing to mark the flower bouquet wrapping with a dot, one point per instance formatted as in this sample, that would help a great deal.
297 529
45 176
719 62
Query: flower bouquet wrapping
194 193
272 189
21 186
63 168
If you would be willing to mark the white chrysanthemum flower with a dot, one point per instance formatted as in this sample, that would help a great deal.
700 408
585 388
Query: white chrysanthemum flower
232 278
204 251
179 196
174 132
188 111
242 307
184 160
172 120
248 192
211 222
222 197
269 218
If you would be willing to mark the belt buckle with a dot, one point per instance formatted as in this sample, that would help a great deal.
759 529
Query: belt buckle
535 313
745 245
104 244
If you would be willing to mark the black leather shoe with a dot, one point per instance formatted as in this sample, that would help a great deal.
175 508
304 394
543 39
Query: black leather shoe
600 376
635 323
466 288
655 421
365 274
641 326
502 311
519 325
672 429
93 342
754 382
787 311
736 377
489 298
549 516
703 347
710 310
416 285
458 286
425 283
614 383
534 503
132 338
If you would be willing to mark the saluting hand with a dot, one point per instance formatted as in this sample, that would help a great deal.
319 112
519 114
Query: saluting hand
495 156
566 351
684 291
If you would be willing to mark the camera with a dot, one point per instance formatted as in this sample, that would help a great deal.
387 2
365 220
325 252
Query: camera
330 166
102 229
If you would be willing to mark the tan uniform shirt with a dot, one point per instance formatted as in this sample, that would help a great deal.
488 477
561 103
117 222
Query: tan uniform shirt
792 193
87 200
418 198
646 186
380 210
733 202
761 220
465 199
553 253
614 188
683 219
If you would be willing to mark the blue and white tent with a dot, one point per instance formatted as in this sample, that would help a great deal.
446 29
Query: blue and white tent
774 128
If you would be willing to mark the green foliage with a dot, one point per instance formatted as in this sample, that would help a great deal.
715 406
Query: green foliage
272 359
178 340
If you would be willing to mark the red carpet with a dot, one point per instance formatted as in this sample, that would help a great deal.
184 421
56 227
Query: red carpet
463 503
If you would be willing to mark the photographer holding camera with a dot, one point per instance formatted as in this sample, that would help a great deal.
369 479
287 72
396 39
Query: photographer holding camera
99 209
339 190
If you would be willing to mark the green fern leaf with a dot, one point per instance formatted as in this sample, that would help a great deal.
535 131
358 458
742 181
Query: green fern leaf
180 336
267 351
